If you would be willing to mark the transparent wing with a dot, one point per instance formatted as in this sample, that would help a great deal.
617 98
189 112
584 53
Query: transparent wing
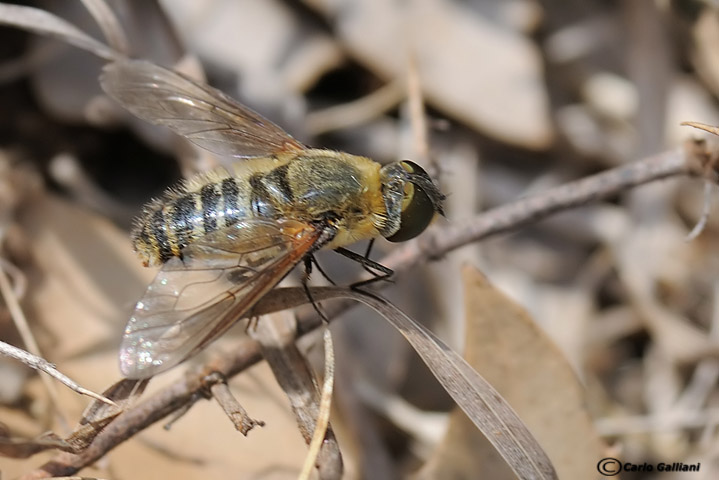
205 116
195 299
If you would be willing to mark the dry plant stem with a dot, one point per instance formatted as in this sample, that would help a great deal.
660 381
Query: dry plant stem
179 413
172 398
433 244
17 278
232 408
706 210
537 207
43 365
13 305
323 419
277 334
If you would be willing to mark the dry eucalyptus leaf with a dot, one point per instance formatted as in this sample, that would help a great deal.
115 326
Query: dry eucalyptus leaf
124 393
486 75
14 448
487 410
516 357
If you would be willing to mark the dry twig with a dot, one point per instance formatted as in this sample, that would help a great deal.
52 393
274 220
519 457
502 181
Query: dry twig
38 363
232 408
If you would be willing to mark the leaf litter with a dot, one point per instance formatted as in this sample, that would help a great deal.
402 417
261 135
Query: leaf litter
626 300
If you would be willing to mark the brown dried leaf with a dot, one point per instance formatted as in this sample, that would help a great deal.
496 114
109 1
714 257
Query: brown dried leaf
507 348
487 410
98 415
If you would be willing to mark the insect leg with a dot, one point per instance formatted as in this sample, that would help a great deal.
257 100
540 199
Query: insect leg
370 244
369 265
319 269
305 285
366 256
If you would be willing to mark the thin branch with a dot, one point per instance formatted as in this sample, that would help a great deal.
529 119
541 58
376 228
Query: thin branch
436 242
417 116
18 317
168 400
38 363
233 409
440 240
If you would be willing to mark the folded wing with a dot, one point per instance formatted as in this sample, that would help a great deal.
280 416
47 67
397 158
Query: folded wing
195 299
204 115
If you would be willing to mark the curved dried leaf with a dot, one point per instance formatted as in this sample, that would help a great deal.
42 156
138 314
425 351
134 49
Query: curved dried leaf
45 23
27 448
531 373
475 396
109 24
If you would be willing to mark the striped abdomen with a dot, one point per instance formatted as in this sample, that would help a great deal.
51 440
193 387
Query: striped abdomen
181 217
310 187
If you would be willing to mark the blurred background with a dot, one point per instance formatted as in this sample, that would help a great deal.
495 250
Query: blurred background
499 100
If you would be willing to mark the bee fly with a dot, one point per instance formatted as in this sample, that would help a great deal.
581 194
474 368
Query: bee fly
225 238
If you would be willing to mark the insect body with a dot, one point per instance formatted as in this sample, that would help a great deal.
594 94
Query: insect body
225 238
314 186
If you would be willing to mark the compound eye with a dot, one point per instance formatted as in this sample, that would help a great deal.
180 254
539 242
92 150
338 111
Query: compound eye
417 208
